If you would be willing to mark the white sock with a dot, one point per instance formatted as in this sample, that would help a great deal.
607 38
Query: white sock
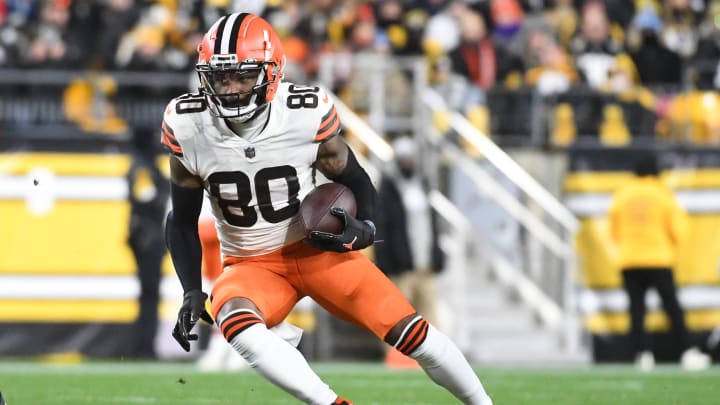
282 364
445 364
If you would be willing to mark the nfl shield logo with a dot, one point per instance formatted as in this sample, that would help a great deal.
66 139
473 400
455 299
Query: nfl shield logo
250 152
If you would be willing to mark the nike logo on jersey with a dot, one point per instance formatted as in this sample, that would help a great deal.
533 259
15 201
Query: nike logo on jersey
349 246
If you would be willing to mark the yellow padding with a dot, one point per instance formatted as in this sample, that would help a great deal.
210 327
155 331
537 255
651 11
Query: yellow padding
693 179
598 182
71 164
655 321
76 164
613 130
564 131
594 182
76 237
65 311
62 358
305 320
61 311
697 259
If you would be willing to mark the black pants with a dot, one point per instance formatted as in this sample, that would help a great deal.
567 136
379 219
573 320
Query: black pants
149 263
636 282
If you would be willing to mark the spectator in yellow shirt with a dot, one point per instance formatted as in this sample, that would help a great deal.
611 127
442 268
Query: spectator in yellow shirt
647 224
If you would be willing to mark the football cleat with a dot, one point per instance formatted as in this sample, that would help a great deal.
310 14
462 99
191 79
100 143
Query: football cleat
694 360
645 361
342 401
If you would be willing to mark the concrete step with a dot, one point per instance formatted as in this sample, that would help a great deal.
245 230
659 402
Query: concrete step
508 321
557 357
489 298
534 347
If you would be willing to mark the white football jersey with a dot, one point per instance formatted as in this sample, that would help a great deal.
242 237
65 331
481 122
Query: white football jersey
255 183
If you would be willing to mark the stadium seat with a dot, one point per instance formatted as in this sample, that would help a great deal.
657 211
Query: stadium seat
613 130
564 129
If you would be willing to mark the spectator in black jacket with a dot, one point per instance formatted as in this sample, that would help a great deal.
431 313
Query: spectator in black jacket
656 64
409 253
148 194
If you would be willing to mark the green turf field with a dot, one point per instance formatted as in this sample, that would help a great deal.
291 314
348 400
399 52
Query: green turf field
101 383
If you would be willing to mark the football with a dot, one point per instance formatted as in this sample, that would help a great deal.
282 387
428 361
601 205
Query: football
315 208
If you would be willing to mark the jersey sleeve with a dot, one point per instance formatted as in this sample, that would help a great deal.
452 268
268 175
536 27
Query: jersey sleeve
167 133
177 133
330 122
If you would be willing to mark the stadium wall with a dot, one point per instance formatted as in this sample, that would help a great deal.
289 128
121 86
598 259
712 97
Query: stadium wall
694 174
67 275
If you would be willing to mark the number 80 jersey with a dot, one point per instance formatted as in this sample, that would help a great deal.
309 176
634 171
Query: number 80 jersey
256 181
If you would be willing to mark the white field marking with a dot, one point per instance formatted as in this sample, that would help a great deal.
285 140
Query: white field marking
131 368
132 399
624 385
387 383
179 368
352 368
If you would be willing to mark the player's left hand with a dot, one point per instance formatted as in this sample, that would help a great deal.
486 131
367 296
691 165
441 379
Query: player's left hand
191 311
356 234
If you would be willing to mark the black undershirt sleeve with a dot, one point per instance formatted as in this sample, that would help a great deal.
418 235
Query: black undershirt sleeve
358 181
181 235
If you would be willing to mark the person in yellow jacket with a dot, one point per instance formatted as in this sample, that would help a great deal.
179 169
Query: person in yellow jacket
647 224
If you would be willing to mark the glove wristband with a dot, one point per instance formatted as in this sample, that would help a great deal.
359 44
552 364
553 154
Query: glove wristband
371 225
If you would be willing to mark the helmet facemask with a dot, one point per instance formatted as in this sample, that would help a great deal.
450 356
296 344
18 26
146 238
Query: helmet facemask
236 106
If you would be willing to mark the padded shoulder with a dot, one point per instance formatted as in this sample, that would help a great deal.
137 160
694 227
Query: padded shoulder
179 121
329 122
312 106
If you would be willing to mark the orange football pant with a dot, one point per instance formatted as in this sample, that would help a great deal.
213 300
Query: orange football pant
348 285
212 266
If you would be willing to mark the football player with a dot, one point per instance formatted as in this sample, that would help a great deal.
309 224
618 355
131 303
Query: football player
251 141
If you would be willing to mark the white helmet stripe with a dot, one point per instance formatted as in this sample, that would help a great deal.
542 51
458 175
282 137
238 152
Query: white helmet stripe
268 44
227 33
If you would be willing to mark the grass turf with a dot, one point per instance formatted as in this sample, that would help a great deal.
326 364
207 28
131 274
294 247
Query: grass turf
96 383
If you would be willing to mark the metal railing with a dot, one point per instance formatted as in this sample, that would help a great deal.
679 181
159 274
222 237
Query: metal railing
555 309
556 234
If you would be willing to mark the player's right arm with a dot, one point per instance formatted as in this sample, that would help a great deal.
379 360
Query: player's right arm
183 242
181 234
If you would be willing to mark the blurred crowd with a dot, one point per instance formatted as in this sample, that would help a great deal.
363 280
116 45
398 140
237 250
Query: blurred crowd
611 67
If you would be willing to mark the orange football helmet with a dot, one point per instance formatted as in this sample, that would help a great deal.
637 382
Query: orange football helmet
237 44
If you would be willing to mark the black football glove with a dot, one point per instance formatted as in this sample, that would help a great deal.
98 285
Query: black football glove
356 234
192 309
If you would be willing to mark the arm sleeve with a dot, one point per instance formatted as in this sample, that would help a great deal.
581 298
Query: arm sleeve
181 235
358 181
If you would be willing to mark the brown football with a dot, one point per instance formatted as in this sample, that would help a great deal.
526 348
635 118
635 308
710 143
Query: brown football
315 208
